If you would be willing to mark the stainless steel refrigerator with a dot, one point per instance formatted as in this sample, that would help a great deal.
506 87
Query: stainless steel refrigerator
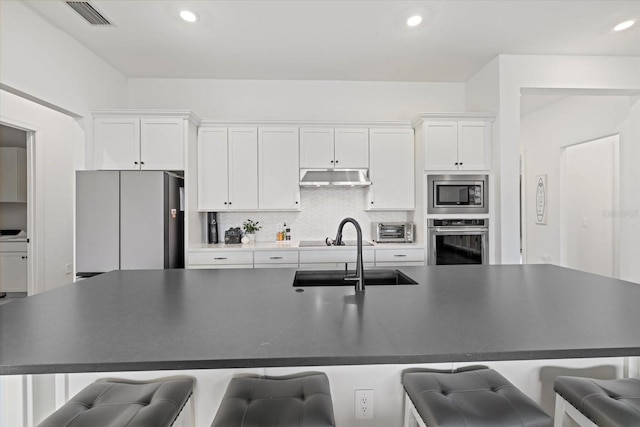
128 220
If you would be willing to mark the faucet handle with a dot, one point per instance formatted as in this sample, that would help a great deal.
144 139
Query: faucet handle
329 241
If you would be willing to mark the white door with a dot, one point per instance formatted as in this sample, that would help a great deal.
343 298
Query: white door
213 177
13 271
279 176
352 148
117 143
243 168
441 145
162 144
392 176
589 204
316 148
474 145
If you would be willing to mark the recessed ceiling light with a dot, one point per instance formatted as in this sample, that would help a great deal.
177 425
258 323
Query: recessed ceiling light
414 20
624 25
188 16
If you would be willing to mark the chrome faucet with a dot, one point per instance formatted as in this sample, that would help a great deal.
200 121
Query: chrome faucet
359 276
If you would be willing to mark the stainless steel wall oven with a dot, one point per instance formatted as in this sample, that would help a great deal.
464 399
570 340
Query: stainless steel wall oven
458 241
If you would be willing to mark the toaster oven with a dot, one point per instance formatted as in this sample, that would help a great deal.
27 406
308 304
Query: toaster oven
393 232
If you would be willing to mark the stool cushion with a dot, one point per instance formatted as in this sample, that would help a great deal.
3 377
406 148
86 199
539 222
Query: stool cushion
613 403
473 396
290 401
116 402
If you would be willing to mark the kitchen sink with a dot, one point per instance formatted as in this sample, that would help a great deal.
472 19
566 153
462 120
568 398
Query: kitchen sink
336 278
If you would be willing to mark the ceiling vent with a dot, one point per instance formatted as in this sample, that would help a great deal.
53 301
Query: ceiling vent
88 12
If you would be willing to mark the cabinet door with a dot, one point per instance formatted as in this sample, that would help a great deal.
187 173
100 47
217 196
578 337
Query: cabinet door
352 148
117 143
162 144
243 168
279 187
392 176
213 180
13 174
316 148
474 145
13 271
441 145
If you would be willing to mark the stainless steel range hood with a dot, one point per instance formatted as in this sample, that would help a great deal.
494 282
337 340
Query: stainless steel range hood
334 177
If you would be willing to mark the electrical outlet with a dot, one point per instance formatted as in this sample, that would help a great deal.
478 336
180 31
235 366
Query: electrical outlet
67 268
364 404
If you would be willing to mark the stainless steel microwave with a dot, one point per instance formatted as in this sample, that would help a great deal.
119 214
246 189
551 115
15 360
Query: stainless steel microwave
393 232
457 194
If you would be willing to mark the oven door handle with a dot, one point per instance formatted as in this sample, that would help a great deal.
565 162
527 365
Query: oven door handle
459 230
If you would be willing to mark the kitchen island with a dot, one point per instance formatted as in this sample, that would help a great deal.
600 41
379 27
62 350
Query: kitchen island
211 319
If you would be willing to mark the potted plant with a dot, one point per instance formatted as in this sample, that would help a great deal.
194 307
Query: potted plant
250 228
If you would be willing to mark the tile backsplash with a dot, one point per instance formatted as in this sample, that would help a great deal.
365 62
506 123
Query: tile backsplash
322 209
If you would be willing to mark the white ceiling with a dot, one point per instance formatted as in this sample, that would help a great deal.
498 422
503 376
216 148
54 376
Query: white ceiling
342 39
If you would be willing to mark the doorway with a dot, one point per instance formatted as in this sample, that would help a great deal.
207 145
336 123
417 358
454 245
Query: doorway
14 212
590 206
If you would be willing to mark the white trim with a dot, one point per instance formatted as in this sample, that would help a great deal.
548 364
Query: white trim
565 410
411 416
417 120
307 123
184 114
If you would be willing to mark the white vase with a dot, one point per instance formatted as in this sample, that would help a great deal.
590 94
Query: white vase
252 237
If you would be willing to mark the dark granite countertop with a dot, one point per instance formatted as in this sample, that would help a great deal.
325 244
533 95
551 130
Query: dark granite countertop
196 319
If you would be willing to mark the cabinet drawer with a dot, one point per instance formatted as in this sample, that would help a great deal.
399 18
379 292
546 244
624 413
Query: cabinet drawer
221 258
328 255
275 257
400 255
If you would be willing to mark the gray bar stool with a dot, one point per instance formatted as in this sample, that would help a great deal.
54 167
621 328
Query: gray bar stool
298 400
119 403
470 396
603 403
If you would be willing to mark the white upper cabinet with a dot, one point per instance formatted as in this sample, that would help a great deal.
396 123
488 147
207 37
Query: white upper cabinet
457 145
213 169
279 179
243 168
316 148
13 175
117 143
352 148
328 148
227 168
392 170
474 145
161 144
130 142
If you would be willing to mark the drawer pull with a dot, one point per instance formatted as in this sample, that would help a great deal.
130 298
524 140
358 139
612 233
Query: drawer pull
275 257
221 257
400 255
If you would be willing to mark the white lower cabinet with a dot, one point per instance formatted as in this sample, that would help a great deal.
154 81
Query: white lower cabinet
399 257
221 259
13 271
320 259
275 259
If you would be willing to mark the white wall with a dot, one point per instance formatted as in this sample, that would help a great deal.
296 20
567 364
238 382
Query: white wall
572 120
44 63
516 72
296 100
